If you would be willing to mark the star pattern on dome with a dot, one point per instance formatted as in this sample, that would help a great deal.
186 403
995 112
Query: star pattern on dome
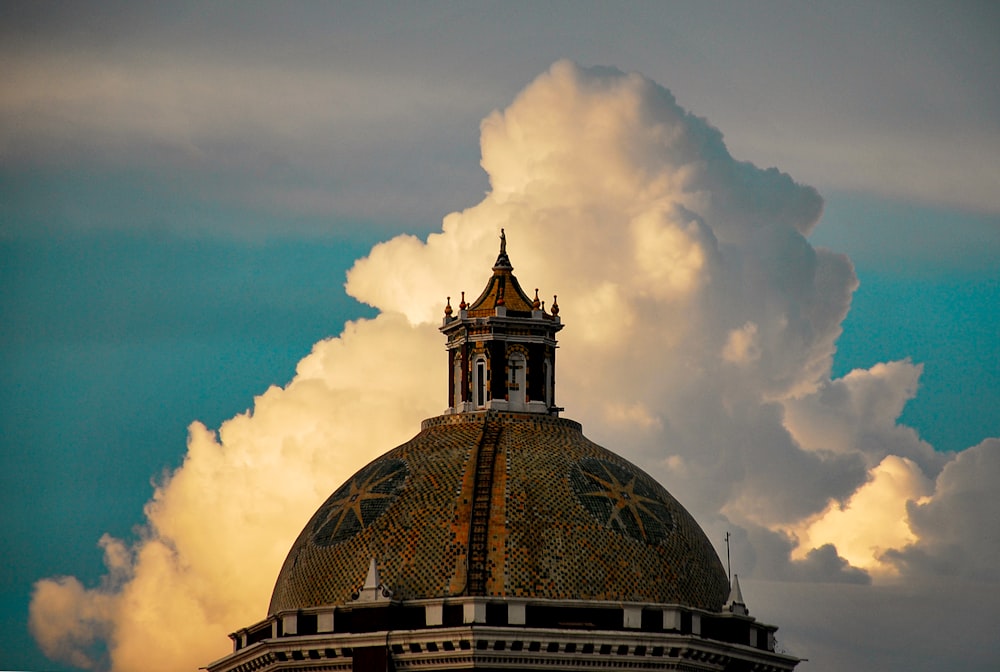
357 503
621 500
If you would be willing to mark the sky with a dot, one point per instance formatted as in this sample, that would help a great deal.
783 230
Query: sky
227 233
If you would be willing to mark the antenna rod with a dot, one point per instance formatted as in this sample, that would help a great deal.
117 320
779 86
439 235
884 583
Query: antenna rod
729 567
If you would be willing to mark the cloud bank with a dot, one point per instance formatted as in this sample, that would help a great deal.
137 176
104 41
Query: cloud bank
701 326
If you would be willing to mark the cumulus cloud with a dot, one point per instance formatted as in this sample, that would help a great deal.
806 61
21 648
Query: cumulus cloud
767 554
873 520
955 528
858 413
741 346
700 332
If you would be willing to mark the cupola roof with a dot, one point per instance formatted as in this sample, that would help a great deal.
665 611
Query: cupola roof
502 289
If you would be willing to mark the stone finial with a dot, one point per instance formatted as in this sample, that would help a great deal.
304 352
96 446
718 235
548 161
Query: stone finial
735 603
373 590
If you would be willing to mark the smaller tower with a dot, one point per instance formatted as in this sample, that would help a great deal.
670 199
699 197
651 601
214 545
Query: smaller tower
502 347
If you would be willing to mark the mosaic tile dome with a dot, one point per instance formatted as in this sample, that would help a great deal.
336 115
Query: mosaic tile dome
502 504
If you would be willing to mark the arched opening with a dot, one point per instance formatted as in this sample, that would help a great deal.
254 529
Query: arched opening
456 401
479 382
549 387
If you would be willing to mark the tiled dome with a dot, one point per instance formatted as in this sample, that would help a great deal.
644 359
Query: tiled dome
500 537
503 504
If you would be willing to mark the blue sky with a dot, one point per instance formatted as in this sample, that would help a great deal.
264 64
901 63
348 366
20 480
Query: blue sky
182 192
929 291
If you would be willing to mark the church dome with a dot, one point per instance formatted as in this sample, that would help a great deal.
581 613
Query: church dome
499 497
502 504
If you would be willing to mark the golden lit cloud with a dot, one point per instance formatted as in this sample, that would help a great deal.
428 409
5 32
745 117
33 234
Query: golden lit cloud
873 521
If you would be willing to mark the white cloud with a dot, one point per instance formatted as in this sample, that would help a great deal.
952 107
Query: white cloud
858 414
957 526
70 622
672 262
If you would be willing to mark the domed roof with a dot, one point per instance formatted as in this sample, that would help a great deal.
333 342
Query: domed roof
494 503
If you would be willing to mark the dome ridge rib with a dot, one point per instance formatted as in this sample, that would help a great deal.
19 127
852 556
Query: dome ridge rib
479 524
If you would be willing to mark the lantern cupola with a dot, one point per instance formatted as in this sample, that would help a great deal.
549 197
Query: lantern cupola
502 347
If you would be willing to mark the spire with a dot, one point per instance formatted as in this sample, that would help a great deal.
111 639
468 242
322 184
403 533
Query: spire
735 603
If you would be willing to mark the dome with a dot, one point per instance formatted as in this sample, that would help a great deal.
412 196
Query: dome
500 537
501 504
